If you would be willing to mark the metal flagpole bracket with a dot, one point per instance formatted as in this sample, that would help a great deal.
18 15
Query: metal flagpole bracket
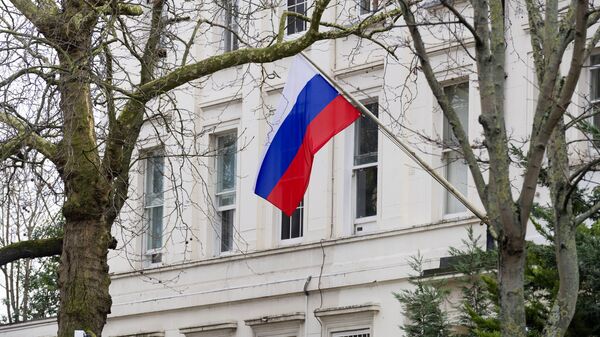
402 145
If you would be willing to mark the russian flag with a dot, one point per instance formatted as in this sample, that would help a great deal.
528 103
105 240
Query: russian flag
310 112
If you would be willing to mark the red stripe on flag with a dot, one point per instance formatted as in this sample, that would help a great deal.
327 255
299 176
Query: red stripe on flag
289 190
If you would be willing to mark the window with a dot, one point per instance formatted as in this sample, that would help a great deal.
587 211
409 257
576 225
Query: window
368 6
292 226
295 24
456 168
230 38
365 165
595 88
354 333
153 204
226 146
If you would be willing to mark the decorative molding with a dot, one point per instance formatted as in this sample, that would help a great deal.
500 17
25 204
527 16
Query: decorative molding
216 329
345 72
145 334
228 100
372 308
291 317
444 223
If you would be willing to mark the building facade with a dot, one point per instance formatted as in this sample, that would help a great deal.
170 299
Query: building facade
200 255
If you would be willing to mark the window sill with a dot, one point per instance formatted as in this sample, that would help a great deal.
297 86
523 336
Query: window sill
294 36
290 242
456 216
365 225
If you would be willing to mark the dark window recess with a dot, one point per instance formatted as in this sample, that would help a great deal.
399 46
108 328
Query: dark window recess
490 243
365 163
231 17
365 138
368 6
226 230
366 191
292 226
447 266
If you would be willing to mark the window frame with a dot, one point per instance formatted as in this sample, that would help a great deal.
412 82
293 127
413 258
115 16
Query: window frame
373 7
450 150
360 222
289 19
152 256
594 119
232 207
231 26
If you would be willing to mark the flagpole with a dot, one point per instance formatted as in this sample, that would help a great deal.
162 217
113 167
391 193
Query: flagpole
402 145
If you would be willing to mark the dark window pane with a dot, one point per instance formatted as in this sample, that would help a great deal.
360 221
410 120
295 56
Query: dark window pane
365 6
292 227
226 162
596 112
285 227
595 84
231 12
366 138
366 191
155 220
226 230
294 24
154 180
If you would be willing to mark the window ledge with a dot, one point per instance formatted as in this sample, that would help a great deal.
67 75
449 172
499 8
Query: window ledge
456 216
291 242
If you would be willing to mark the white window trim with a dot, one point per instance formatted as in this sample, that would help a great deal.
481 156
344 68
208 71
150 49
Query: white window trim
589 89
227 128
147 253
233 27
446 150
286 36
368 220
292 241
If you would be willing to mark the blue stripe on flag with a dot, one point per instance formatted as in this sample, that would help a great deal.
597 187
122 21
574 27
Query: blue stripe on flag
314 97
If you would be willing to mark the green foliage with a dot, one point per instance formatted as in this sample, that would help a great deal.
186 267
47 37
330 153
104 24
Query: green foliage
478 311
40 285
423 306
44 290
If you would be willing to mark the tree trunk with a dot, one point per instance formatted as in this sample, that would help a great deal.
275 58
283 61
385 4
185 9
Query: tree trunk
565 230
511 273
83 271
563 308
83 278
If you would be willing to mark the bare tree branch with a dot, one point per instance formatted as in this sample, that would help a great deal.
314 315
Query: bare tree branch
30 249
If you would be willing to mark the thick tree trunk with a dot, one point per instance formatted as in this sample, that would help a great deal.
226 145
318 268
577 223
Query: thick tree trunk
565 231
563 308
83 278
511 273
83 272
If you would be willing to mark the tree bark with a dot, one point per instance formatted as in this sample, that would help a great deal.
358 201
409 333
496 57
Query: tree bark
511 271
83 278
565 231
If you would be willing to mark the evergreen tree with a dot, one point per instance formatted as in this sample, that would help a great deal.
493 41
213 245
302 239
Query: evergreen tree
423 305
